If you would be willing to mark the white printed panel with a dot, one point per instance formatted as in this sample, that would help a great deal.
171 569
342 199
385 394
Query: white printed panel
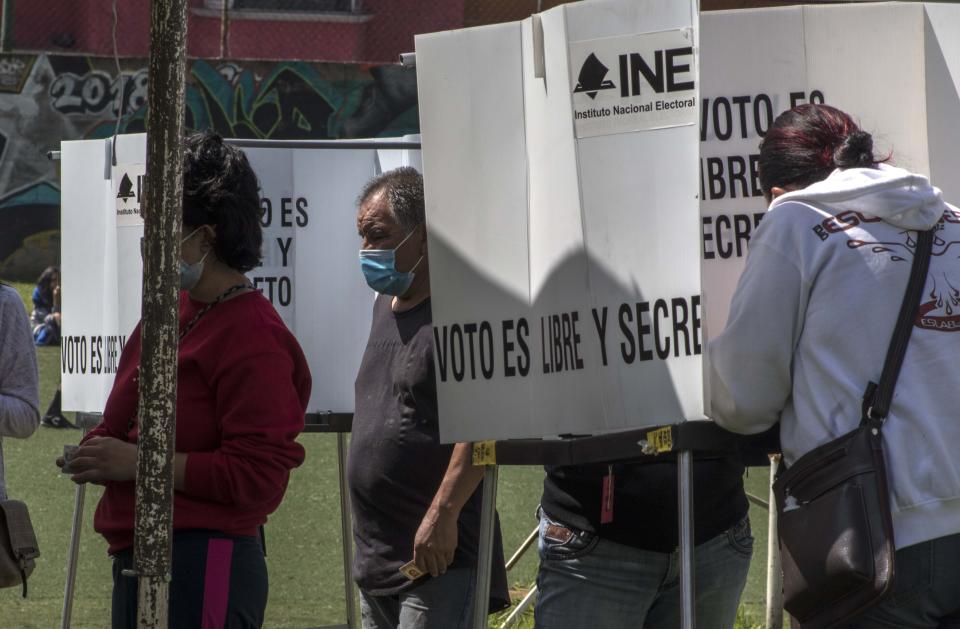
100 266
472 130
128 191
841 55
549 361
942 71
742 93
633 83
310 269
875 43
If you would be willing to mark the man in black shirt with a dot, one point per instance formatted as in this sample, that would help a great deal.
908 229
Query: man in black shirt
413 499
608 545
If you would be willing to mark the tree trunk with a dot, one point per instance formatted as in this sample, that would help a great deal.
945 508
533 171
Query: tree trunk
159 325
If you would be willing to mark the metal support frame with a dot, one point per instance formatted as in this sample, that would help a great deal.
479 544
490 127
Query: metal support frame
341 424
527 543
485 551
687 567
346 532
86 421
774 572
520 609
5 15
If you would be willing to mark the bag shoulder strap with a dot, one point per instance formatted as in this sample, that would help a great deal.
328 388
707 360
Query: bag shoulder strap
876 400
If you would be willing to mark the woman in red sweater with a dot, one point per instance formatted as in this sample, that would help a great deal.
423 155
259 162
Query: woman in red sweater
242 390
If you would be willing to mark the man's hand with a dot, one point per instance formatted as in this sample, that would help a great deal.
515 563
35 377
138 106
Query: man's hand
436 541
103 459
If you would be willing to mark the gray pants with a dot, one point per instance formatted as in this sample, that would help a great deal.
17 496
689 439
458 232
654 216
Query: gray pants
440 603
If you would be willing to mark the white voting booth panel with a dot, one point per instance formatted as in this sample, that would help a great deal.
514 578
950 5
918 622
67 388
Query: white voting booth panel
309 270
531 218
894 66
560 165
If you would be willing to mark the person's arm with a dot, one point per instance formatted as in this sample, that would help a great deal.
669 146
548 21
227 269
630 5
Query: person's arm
19 380
108 459
750 363
436 539
261 416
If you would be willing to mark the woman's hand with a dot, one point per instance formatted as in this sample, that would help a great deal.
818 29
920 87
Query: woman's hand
103 459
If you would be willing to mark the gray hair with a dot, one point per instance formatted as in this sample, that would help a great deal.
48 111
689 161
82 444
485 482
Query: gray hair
404 189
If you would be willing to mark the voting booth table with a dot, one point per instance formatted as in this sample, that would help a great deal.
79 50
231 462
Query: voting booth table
591 187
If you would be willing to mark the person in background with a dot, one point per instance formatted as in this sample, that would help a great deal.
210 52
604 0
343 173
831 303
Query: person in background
414 499
54 417
46 319
242 389
46 308
810 324
19 380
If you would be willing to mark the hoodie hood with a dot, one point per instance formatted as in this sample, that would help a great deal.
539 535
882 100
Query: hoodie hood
897 196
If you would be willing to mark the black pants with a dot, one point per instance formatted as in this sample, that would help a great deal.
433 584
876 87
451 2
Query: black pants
219 582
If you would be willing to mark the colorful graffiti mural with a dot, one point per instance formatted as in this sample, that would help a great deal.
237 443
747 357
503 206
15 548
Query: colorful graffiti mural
45 99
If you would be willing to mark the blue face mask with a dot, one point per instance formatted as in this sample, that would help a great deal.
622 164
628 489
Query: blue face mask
379 268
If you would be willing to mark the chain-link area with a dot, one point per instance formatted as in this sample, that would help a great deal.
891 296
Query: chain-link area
344 31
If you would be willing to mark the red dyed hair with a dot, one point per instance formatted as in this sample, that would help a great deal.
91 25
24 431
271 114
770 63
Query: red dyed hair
805 144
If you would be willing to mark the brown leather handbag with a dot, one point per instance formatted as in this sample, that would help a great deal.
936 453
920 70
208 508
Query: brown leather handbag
836 532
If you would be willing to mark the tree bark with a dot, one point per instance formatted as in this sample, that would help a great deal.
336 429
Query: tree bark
159 323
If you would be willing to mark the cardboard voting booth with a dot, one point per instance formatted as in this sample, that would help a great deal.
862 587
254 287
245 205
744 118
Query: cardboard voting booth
560 166
309 271
894 66
560 208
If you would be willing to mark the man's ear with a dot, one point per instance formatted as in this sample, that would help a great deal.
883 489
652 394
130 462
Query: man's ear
209 237
423 242
776 191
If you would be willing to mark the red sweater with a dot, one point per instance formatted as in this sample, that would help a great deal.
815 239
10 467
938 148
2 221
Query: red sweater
243 386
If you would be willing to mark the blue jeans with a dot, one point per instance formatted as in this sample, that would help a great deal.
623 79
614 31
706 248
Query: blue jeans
926 589
438 603
593 583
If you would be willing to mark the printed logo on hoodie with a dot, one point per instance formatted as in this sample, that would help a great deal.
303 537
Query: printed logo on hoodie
941 311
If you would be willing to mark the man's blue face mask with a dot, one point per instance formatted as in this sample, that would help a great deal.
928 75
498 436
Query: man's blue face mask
379 268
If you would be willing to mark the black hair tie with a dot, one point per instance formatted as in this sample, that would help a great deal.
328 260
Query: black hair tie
856 151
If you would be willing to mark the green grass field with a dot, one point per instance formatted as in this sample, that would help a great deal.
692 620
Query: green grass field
303 536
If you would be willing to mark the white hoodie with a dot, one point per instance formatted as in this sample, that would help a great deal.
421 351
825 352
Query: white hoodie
811 321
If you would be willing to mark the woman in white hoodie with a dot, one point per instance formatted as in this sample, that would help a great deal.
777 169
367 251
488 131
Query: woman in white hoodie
810 324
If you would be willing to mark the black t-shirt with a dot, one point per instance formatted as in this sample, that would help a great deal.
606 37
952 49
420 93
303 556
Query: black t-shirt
645 500
396 460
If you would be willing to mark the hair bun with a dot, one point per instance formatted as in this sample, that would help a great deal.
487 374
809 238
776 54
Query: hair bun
856 151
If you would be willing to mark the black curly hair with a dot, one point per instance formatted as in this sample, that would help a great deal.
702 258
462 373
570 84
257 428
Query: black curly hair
221 189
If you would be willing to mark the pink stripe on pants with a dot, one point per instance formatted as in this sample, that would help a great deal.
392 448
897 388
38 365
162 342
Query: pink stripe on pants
216 586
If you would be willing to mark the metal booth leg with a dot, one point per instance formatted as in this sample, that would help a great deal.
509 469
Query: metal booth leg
86 421
774 572
485 550
346 532
685 495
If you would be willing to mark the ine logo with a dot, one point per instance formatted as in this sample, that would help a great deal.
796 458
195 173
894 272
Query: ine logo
125 190
591 79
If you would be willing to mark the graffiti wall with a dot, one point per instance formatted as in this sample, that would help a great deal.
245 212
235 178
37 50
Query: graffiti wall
45 99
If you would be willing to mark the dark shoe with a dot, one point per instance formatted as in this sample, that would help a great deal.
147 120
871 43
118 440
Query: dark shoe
57 421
